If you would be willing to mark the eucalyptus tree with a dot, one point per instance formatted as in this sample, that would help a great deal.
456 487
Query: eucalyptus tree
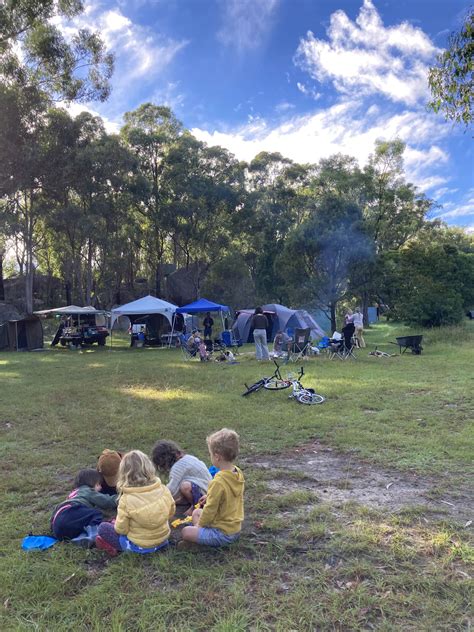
22 173
451 80
276 203
89 183
204 187
34 51
150 131
394 212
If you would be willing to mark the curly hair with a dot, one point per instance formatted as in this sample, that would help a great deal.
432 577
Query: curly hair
136 470
165 454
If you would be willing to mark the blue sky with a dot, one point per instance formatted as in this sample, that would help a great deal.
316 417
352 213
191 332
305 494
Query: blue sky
308 78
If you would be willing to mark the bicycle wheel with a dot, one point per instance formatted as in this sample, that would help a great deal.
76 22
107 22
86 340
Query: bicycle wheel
276 384
253 388
310 398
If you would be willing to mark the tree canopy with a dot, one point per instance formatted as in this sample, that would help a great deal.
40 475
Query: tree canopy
452 79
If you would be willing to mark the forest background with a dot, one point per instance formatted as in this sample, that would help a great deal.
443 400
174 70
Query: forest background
89 217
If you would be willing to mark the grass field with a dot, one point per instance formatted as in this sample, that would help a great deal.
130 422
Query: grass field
302 563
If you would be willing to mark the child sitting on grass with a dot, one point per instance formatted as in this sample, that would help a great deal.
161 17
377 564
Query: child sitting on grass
189 477
219 523
144 509
108 465
84 506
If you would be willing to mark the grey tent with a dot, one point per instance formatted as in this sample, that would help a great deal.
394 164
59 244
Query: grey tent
20 334
280 318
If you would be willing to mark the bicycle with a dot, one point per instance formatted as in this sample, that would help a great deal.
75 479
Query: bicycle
304 395
273 383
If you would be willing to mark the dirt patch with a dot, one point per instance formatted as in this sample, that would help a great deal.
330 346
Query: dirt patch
338 478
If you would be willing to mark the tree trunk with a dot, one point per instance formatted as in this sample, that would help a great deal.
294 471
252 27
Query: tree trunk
2 286
89 273
365 308
67 287
333 306
157 281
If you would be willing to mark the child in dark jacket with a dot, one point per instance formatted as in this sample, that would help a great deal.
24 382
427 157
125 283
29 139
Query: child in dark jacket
84 506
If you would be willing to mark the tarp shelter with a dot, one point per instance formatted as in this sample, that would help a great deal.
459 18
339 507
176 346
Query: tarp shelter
87 315
71 310
155 313
144 307
201 306
280 318
22 334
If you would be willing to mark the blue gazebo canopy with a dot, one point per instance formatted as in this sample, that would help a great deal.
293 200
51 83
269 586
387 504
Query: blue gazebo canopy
202 305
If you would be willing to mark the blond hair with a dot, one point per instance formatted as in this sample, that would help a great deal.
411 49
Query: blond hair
136 470
225 443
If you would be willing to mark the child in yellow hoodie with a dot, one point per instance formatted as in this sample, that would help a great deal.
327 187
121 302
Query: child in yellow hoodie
144 509
220 521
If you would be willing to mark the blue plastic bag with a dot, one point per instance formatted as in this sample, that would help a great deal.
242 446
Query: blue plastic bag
37 542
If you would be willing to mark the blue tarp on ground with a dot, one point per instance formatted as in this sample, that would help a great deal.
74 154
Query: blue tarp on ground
202 305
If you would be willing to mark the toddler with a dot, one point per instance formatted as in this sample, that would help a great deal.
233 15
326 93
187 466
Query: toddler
203 353
144 509
189 477
219 523
84 507
108 465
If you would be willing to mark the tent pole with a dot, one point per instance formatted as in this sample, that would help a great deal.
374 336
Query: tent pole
172 330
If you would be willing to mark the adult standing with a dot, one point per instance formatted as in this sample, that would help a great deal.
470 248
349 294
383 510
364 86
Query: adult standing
259 323
358 320
348 317
208 323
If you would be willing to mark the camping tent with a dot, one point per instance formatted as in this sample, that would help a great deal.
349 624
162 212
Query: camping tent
201 306
155 313
22 334
280 318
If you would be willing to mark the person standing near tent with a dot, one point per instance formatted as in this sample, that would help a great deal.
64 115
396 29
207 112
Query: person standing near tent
259 323
208 323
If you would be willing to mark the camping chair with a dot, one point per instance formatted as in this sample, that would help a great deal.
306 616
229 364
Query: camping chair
339 349
298 348
188 354
228 340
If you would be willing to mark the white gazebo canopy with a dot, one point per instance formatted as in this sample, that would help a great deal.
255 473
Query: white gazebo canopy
146 305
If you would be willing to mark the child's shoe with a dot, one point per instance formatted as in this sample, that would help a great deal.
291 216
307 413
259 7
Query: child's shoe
103 545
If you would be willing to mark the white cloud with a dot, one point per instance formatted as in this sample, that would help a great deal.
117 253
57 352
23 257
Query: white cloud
308 91
246 23
349 128
141 54
169 95
284 106
365 57
74 109
439 193
465 209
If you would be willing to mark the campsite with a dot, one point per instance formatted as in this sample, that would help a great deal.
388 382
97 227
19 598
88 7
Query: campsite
236 316
374 532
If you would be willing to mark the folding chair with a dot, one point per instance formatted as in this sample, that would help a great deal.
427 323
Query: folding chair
188 353
230 341
298 348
